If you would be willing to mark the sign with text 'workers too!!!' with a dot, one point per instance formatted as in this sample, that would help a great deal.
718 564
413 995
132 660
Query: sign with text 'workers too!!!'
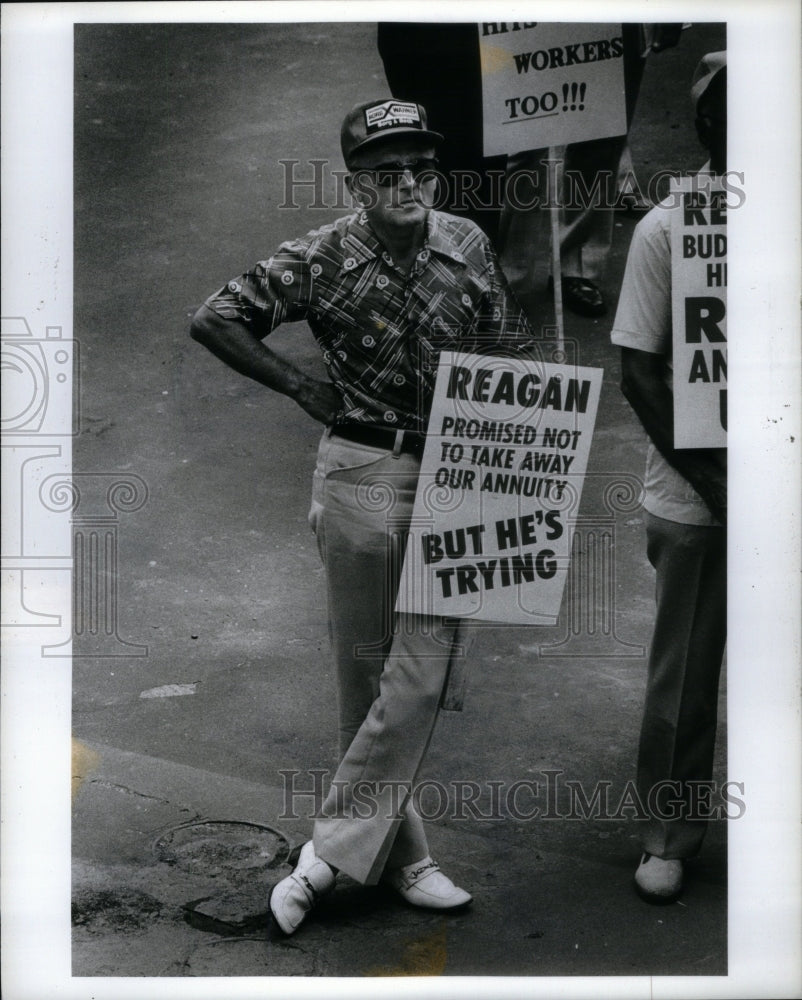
699 311
498 495
550 84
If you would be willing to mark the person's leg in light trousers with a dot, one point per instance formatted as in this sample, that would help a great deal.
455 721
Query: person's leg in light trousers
390 669
678 731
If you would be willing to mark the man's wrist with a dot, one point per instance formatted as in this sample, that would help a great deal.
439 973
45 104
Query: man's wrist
294 383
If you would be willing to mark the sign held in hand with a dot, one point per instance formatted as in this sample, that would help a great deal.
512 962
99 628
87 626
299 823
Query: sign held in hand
699 308
499 489
550 84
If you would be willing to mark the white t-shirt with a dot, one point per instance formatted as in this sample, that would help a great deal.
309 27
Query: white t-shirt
643 321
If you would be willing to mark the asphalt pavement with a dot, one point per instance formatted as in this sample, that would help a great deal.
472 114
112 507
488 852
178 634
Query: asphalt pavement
214 676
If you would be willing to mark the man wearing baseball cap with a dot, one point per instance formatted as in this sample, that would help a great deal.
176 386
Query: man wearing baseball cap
384 291
686 512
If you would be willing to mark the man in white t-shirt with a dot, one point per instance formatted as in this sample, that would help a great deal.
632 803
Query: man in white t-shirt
686 510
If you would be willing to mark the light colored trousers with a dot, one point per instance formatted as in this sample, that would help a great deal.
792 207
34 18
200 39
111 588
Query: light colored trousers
391 669
678 732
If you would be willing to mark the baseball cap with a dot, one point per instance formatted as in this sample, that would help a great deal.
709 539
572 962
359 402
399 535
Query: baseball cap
703 75
367 123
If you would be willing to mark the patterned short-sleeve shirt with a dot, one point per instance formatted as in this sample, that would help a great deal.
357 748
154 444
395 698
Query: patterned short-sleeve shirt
381 330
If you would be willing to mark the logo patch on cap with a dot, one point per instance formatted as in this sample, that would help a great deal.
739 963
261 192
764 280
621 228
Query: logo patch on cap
392 114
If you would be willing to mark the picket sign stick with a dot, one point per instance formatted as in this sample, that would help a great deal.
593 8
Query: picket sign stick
453 696
556 266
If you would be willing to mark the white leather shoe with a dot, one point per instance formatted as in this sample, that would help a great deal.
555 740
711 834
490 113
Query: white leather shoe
659 880
423 884
294 896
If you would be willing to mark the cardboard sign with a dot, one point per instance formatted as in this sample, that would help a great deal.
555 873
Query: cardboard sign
499 489
550 84
699 308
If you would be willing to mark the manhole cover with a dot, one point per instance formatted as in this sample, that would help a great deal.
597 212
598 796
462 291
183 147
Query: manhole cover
231 849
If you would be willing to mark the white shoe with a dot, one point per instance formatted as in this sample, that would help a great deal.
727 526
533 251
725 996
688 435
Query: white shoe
659 880
423 884
294 896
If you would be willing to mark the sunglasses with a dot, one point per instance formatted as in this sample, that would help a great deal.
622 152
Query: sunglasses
390 174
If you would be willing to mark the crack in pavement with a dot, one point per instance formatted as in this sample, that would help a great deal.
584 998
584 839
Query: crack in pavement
103 783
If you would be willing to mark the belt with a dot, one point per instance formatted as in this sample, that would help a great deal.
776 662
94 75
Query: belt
380 437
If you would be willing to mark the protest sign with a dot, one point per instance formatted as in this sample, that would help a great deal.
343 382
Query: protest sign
699 308
499 489
550 84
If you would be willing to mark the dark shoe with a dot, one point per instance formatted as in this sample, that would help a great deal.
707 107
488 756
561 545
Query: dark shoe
659 880
293 897
581 296
423 884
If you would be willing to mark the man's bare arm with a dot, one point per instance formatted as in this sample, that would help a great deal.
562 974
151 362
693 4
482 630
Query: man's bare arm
232 342
648 395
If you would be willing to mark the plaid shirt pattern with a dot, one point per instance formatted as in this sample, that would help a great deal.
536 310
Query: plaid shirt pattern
381 331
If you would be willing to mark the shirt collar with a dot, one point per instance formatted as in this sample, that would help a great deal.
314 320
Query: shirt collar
361 245
438 242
